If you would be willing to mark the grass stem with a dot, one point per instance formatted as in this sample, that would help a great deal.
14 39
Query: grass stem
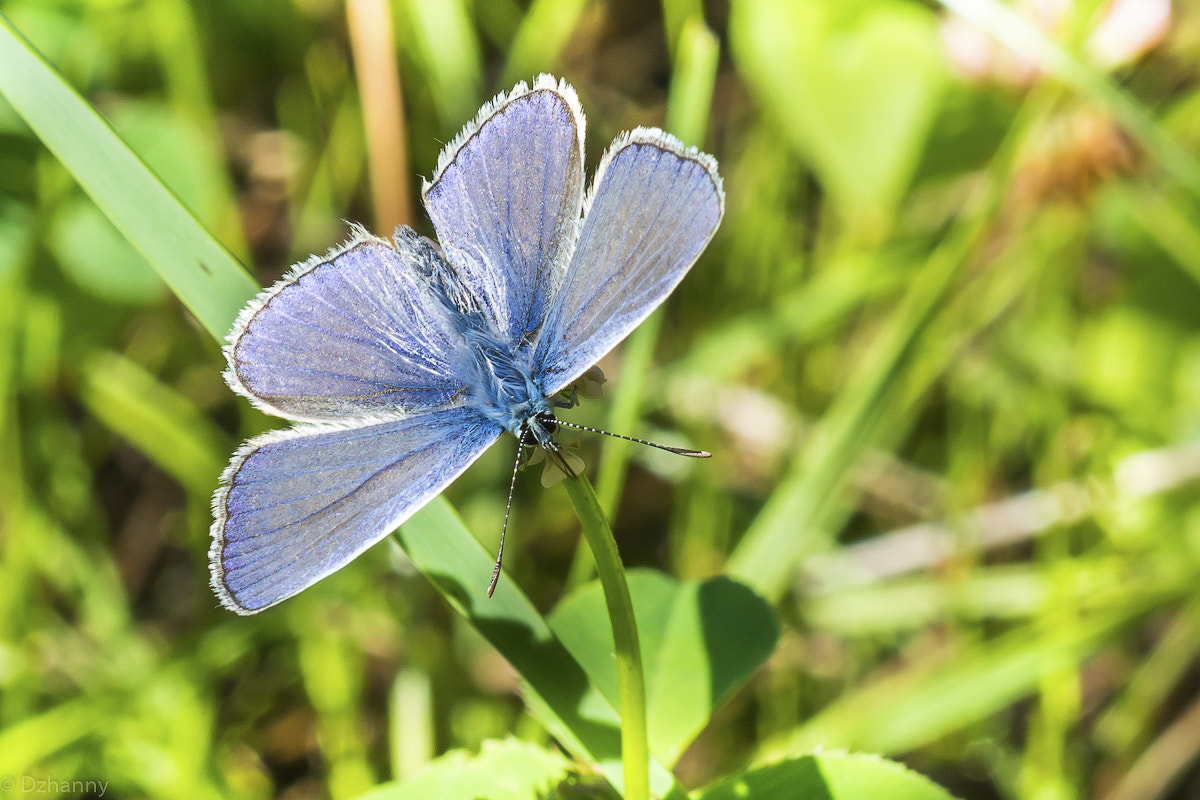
635 748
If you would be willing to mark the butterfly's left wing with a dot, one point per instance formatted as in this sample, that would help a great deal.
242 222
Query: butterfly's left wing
298 504
354 334
652 208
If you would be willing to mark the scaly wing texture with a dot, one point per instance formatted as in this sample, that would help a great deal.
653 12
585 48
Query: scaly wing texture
506 200
298 504
355 333
652 208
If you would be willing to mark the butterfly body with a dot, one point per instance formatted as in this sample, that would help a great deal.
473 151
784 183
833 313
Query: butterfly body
504 388
500 379
401 361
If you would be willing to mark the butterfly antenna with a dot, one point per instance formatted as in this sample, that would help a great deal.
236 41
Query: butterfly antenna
512 485
679 451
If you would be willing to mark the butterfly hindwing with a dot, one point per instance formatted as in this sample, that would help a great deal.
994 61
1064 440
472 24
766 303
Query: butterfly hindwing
652 208
505 202
298 504
352 334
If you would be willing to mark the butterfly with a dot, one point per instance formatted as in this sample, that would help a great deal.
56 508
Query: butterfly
402 361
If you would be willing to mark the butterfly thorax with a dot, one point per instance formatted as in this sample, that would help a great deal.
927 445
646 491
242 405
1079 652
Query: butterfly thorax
504 389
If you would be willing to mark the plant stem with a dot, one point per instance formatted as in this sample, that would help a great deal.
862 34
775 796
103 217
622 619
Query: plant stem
635 748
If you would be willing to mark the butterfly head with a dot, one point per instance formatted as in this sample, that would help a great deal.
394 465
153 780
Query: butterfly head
539 429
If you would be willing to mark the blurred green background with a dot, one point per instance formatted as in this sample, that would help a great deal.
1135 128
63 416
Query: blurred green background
945 349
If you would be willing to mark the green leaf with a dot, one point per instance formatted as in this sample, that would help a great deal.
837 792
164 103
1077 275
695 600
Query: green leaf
201 272
700 642
854 86
557 690
507 770
829 776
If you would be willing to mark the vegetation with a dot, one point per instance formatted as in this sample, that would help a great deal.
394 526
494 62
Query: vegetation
945 349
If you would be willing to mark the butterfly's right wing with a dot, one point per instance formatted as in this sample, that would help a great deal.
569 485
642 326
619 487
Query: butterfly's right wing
296 505
353 334
652 208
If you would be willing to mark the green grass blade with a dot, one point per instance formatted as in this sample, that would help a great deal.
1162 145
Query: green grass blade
157 420
544 32
201 273
443 42
676 17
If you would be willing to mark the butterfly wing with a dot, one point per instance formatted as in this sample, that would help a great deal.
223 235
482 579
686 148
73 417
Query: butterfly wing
506 200
652 208
298 504
355 333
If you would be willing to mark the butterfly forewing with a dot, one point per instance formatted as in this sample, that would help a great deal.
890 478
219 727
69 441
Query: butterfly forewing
355 333
653 207
506 201
299 504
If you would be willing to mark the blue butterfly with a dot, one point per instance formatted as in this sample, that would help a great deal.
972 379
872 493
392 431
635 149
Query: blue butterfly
402 361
